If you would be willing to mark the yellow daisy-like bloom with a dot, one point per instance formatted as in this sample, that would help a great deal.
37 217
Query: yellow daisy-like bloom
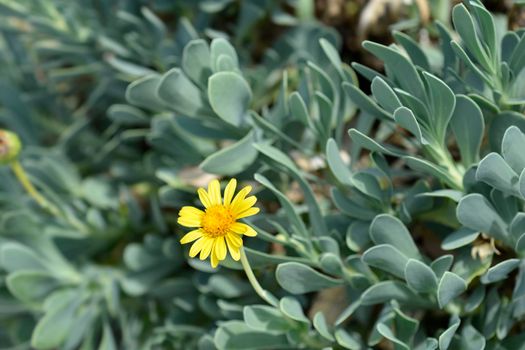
217 226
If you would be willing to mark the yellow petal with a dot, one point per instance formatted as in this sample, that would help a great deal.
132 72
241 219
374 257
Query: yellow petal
249 212
191 236
229 191
214 260
240 197
190 217
239 227
235 251
196 247
214 192
189 222
250 232
220 248
191 212
203 196
246 204
234 239
243 229
206 248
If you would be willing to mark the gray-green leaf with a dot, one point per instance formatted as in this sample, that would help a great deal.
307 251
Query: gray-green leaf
450 286
298 278
387 258
468 125
420 277
233 159
500 271
387 229
230 96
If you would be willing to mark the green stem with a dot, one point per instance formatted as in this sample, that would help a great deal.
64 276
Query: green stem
33 192
22 177
305 10
442 157
457 176
264 294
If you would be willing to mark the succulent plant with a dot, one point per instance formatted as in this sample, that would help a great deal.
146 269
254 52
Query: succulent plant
388 198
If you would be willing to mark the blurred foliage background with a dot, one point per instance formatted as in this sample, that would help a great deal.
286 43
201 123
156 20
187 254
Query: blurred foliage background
405 233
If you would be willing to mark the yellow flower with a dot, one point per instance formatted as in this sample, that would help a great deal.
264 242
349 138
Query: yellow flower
217 226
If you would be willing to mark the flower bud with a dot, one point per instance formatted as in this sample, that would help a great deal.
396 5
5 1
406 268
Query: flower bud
10 146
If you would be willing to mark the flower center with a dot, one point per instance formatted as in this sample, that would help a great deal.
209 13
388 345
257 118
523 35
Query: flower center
217 221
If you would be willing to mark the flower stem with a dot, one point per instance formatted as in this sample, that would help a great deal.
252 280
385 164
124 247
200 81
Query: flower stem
33 192
264 294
